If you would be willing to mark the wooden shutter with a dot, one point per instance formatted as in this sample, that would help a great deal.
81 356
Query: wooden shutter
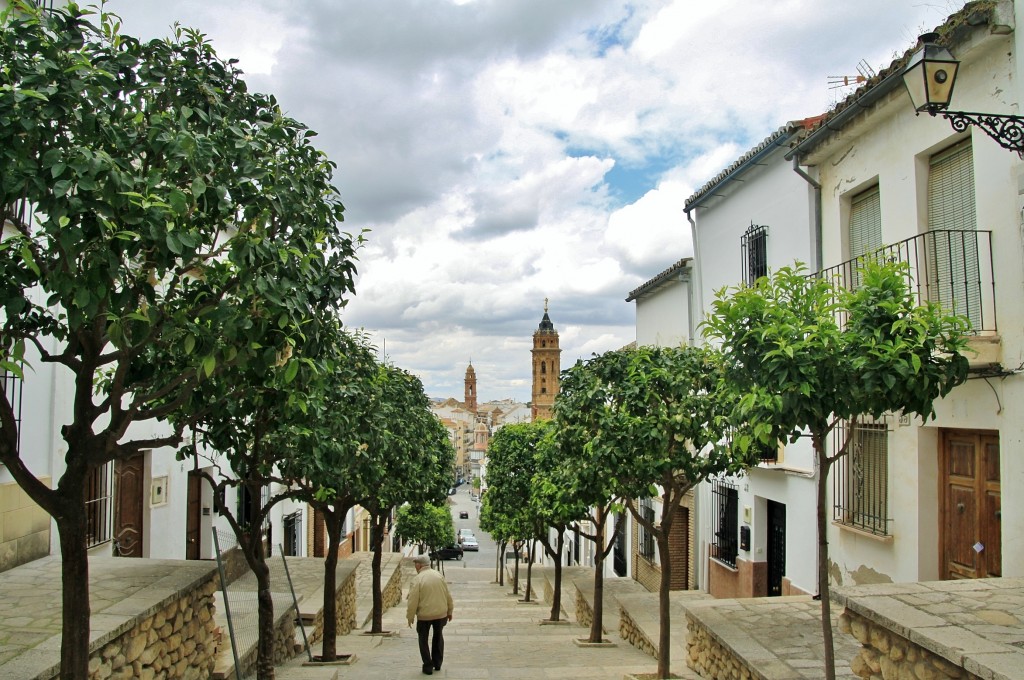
953 270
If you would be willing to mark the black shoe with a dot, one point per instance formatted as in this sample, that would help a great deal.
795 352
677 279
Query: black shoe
428 669
437 668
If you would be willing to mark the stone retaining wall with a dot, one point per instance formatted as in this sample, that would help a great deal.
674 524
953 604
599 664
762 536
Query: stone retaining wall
346 608
886 654
584 614
392 593
710 659
177 639
632 633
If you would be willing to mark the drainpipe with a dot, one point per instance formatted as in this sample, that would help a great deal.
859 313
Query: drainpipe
816 207
697 277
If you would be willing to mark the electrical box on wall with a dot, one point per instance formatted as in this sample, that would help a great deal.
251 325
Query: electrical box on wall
744 538
747 514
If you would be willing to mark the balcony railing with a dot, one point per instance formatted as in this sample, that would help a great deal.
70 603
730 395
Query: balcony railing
952 268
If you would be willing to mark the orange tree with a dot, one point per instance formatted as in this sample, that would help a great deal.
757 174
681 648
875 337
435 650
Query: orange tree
794 369
151 206
655 427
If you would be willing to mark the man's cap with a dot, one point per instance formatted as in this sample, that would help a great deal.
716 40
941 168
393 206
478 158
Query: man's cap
422 559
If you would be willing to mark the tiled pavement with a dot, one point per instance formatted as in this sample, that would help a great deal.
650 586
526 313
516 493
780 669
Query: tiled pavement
491 636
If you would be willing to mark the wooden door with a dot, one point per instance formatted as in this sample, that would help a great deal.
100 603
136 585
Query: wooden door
128 478
970 505
194 517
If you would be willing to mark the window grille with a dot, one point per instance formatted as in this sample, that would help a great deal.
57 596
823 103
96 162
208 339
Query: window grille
725 521
99 505
754 253
293 533
12 387
646 536
861 482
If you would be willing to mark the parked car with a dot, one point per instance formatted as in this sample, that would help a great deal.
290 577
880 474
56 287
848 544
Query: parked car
463 514
469 543
466 533
451 552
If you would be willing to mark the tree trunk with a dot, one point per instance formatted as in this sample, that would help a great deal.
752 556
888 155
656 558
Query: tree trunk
74 646
333 519
515 577
826 605
556 597
529 572
596 632
377 541
664 615
265 603
501 563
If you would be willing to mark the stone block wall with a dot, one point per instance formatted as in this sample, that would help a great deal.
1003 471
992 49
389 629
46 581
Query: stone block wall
392 593
177 640
24 527
634 634
346 608
584 614
885 654
709 658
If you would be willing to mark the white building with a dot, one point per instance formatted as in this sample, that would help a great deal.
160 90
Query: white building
756 532
923 501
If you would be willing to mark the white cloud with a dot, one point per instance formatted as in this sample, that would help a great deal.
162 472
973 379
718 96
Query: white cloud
507 152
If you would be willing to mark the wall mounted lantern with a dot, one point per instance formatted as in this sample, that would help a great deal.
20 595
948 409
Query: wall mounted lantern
930 76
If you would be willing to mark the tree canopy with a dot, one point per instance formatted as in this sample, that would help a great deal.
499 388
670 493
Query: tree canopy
152 207
804 353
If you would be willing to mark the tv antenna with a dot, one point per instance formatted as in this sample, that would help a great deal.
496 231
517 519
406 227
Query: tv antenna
864 74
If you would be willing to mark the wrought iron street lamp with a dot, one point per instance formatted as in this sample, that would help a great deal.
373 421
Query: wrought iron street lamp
929 77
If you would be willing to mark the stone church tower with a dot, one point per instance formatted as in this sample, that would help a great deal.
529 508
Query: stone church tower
546 366
470 400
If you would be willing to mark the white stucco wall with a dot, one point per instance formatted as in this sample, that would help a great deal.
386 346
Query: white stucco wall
773 195
663 315
891 147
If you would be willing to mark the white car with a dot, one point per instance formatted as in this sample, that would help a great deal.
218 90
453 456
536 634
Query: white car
469 543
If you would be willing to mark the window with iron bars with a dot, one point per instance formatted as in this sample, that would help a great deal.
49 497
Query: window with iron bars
12 387
293 533
725 522
99 505
754 253
645 536
861 482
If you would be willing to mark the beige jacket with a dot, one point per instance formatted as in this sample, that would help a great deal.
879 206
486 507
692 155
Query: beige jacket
429 598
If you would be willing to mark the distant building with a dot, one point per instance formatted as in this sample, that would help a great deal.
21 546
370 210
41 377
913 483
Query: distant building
471 424
546 367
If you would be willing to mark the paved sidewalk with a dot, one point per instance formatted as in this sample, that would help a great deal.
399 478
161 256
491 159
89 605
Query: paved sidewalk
491 636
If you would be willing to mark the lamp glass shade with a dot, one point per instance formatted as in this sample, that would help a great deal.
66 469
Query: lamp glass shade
929 78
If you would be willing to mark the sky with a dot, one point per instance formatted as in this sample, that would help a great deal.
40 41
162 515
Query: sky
504 152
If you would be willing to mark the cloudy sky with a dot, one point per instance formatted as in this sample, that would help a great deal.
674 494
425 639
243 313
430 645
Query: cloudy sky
506 151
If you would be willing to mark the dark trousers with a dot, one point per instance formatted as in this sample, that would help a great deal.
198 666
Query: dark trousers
432 655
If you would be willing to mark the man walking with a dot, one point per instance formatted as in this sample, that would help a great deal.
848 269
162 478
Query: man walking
431 605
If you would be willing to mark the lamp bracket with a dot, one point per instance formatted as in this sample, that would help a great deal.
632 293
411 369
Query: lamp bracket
1007 130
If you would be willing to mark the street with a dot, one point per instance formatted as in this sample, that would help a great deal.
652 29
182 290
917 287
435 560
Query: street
487 555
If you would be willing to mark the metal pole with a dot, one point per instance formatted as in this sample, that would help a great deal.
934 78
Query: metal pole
291 587
227 609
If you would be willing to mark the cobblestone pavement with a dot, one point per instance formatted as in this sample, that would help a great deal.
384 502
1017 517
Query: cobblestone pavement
491 636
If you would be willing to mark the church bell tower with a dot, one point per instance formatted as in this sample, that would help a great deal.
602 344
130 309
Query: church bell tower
546 367
470 399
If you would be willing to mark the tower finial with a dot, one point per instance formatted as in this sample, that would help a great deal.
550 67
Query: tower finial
545 305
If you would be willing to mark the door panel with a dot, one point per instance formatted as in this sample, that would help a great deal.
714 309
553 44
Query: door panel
970 497
193 518
128 508
776 547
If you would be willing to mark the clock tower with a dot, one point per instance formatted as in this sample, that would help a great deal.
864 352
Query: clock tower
546 367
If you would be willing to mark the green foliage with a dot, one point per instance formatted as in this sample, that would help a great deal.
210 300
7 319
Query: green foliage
426 523
792 367
507 512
